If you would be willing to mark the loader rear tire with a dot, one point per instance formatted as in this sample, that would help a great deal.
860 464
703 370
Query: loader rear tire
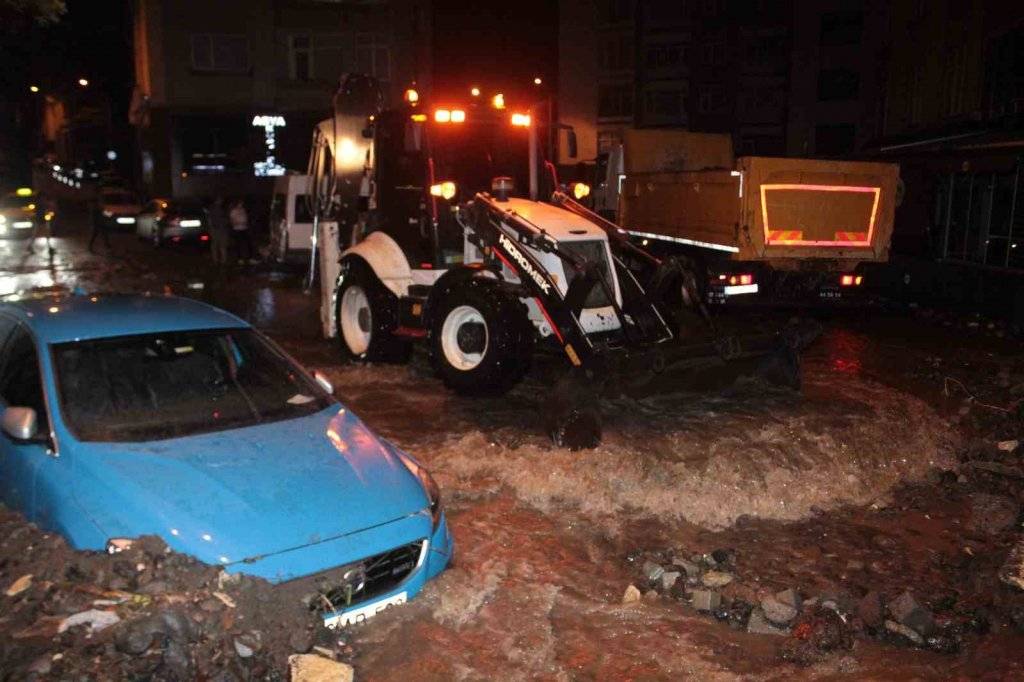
367 315
481 339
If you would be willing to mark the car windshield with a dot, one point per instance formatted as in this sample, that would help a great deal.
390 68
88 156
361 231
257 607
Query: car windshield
175 384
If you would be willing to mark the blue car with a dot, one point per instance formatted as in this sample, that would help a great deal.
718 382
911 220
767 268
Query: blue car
125 416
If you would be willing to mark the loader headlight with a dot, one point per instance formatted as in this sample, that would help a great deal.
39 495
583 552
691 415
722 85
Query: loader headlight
427 481
444 189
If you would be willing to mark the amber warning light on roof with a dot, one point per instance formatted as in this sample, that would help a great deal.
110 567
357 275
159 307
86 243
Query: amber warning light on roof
819 215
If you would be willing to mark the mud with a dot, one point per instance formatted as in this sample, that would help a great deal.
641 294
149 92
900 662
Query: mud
854 485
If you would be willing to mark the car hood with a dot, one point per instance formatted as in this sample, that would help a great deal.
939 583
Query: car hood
237 494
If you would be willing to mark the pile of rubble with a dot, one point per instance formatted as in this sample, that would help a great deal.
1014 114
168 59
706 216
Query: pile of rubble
814 626
148 613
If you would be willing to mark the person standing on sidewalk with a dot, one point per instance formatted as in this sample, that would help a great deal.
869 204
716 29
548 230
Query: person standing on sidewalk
220 231
46 214
239 218
99 224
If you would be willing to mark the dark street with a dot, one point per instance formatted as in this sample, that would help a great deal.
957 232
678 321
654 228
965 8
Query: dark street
863 484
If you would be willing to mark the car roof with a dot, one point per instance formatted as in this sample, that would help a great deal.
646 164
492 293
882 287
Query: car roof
56 319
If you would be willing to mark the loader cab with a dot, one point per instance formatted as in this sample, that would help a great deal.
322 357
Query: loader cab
429 159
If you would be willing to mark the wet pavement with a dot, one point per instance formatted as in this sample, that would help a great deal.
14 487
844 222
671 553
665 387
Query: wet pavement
836 490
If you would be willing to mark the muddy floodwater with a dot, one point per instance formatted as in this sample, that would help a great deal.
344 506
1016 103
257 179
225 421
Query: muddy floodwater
799 487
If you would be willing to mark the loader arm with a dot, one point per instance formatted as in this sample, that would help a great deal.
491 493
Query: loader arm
502 233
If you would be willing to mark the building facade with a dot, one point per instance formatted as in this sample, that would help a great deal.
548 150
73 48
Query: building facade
228 92
719 66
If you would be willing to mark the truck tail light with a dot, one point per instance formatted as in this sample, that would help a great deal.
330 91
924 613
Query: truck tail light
741 279
851 280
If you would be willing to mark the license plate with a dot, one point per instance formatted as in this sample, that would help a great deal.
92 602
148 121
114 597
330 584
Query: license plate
364 613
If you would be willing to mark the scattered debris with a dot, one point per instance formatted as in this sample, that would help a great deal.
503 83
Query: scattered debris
716 579
96 620
902 631
705 600
1012 572
1008 445
907 611
314 668
780 608
19 585
632 595
760 625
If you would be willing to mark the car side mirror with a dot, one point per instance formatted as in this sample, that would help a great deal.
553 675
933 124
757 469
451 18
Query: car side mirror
20 423
324 383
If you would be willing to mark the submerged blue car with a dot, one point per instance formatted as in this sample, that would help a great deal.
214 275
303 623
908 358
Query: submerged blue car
125 416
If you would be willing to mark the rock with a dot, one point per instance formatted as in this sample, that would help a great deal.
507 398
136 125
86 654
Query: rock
1012 572
992 513
907 611
790 597
243 650
652 571
41 666
313 668
776 611
668 579
904 632
758 624
717 579
19 585
705 600
177 659
721 556
1007 445
301 641
870 610
739 614
154 588
96 620
632 595
691 569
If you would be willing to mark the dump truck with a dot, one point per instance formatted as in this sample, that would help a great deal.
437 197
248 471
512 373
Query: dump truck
777 228
425 232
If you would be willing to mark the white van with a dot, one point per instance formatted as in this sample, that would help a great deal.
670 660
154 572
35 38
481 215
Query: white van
291 223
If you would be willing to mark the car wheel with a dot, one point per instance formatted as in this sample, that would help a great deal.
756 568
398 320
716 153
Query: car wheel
367 315
481 339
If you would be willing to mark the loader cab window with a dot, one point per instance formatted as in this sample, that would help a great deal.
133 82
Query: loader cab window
401 176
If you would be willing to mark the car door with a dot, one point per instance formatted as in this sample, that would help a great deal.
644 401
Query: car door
21 386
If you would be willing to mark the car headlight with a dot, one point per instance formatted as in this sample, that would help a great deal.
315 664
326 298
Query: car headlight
429 485
3 219
107 214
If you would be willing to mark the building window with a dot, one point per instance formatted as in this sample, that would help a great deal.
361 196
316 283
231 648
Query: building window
373 56
300 58
670 56
615 101
710 99
712 53
838 84
220 53
661 12
834 140
664 105
841 28
615 53
608 140
615 11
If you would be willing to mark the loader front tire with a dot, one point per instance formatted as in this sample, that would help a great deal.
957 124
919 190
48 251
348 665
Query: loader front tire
367 315
481 339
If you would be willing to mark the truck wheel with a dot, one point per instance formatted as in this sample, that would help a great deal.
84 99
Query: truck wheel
367 314
481 339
